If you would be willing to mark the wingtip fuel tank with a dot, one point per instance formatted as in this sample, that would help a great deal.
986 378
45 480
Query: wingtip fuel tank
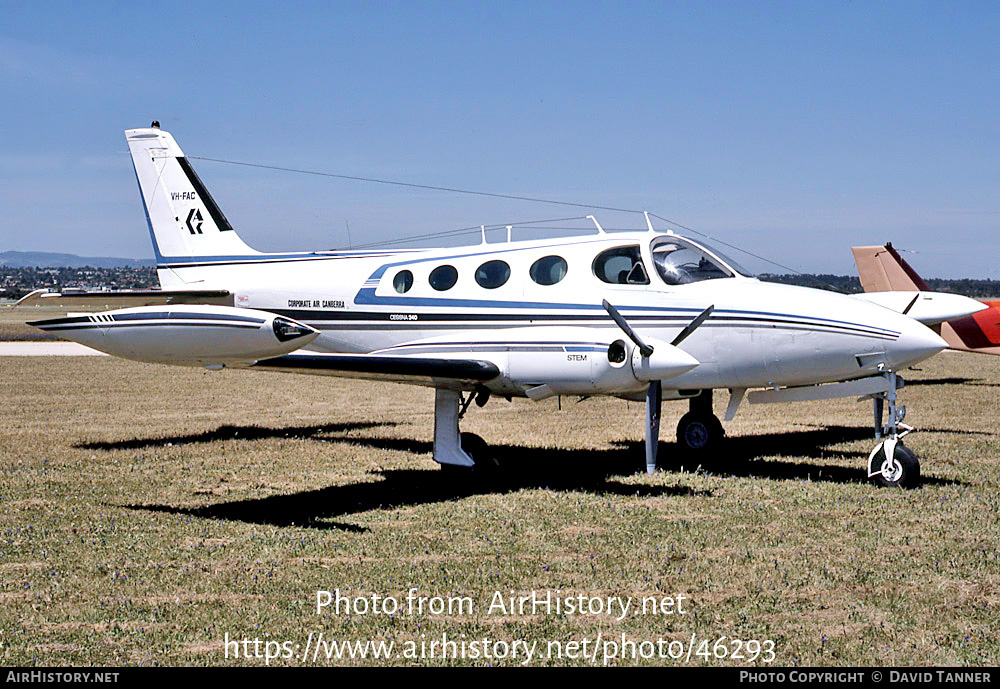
184 335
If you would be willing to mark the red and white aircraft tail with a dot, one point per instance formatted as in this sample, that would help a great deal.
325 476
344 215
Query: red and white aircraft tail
882 269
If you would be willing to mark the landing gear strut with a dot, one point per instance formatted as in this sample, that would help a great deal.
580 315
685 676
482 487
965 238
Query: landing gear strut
465 452
699 432
891 463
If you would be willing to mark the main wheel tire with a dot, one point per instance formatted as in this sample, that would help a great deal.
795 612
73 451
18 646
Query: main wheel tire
699 435
902 472
479 451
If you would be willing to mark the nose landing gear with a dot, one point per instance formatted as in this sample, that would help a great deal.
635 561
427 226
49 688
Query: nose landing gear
891 463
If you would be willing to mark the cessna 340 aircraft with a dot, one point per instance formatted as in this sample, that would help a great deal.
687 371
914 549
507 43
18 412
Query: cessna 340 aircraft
638 315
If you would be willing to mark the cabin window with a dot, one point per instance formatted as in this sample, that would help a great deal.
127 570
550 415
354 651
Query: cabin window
443 277
492 274
680 263
621 266
403 281
548 270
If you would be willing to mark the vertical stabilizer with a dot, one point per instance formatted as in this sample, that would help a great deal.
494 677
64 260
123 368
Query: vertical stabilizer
882 269
184 220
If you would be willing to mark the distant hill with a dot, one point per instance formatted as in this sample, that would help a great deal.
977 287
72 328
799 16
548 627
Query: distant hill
43 259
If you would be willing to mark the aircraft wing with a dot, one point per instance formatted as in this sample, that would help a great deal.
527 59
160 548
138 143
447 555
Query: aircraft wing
430 371
113 299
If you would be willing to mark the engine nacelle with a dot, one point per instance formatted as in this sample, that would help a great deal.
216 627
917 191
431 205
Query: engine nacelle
193 335
550 360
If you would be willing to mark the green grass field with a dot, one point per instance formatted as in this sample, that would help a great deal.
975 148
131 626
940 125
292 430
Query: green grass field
148 511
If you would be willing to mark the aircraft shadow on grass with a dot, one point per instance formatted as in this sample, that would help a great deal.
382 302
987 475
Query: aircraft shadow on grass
950 380
234 433
591 471
953 380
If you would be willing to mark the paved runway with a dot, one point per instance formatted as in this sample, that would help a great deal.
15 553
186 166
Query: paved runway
46 349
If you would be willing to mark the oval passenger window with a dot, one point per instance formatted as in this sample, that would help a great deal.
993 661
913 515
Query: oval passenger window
443 277
492 274
403 281
548 270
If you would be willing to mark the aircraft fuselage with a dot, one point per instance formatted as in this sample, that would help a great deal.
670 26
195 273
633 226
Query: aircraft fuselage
759 335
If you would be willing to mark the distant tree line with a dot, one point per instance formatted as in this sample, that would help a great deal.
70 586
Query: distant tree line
850 284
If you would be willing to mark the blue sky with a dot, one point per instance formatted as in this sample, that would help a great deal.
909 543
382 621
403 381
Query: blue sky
792 129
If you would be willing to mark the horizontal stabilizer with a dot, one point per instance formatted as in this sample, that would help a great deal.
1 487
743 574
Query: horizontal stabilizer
930 308
109 299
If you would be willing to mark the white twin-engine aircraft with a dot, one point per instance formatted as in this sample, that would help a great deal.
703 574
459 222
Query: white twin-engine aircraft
638 315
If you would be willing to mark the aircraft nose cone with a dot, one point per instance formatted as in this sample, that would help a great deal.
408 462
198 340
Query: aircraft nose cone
916 342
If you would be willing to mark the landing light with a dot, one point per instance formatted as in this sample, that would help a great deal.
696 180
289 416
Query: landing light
286 330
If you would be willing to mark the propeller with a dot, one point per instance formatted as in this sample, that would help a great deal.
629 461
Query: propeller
644 348
654 392
693 325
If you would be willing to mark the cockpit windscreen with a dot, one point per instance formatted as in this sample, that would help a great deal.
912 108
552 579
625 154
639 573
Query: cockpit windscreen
679 262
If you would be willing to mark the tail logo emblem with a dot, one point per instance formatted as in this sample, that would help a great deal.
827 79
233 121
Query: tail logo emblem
194 221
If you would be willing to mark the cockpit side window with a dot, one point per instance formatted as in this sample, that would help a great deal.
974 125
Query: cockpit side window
621 266
680 263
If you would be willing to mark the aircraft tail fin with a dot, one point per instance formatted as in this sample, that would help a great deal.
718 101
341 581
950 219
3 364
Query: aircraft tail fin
184 220
882 269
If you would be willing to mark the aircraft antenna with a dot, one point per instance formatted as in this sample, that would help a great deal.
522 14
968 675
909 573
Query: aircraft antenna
413 185
600 230
527 224
513 197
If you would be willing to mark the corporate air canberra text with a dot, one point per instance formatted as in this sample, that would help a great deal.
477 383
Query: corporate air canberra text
505 603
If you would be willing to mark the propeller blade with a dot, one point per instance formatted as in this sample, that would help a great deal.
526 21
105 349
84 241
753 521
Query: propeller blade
653 402
910 305
693 325
644 348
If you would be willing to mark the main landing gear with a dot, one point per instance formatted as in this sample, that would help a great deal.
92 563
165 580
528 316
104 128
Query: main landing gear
699 432
462 453
891 463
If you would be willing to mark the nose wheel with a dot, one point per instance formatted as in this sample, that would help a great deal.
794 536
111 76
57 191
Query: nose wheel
894 465
891 463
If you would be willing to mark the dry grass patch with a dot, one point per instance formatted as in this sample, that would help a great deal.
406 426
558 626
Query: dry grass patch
146 511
